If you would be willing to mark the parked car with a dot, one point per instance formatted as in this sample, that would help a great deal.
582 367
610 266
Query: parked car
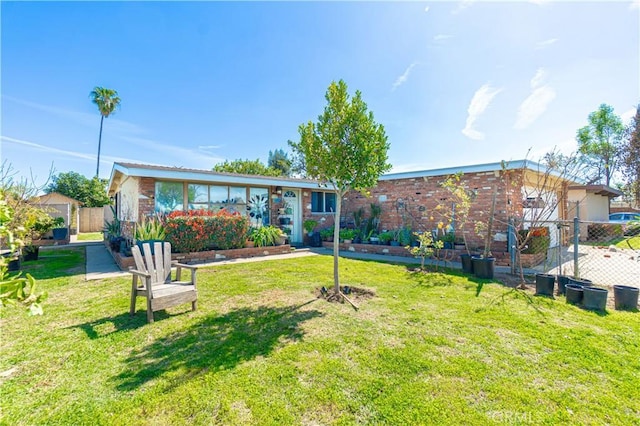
629 220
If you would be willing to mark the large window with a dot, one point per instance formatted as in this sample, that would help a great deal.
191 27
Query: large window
169 196
323 202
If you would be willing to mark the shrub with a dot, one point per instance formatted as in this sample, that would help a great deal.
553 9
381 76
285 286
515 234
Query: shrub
150 229
326 233
266 236
604 231
385 237
198 230
538 242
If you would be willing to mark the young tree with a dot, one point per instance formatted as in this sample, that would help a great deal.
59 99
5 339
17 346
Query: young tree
599 143
279 160
631 158
91 192
107 101
246 167
346 149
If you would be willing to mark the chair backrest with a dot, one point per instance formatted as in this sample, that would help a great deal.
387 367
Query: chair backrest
158 264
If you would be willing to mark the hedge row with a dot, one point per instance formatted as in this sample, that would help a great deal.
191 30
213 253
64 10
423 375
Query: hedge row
199 230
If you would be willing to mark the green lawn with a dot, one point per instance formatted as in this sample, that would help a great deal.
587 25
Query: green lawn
630 242
262 349
90 236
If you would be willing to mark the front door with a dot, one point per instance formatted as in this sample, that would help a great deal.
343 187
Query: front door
292 201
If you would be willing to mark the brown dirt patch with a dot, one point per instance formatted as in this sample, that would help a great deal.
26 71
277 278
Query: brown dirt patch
355 294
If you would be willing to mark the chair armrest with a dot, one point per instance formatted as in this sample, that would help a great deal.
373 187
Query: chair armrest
183 265
140 273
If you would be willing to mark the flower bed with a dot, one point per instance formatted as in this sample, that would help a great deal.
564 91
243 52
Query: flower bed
126 262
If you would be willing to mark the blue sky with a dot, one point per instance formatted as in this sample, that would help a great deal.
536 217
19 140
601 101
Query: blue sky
454 83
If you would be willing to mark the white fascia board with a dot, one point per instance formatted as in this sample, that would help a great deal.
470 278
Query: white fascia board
192 176
476 168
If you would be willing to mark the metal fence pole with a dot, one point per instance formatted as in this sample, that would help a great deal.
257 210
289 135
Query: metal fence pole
576 241
512 245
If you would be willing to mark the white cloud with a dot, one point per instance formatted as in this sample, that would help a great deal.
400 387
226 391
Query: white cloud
115 125
545 43
403 78
534 106
538 79
208 147
540 2
628 115
464 4
441 37
635 4
426 9
66 153
479 103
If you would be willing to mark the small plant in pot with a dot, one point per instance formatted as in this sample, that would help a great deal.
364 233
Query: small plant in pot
38 224
150 231
347 235
483 267
326 234
60 231
385 237
112 233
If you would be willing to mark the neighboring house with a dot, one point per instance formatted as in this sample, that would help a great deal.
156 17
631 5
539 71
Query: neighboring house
59 205
407 199
591 203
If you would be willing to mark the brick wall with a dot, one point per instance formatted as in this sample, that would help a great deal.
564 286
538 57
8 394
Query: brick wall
414 202
146 206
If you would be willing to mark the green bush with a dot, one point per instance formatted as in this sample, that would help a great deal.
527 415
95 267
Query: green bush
266 236
536 243
200 230
604 231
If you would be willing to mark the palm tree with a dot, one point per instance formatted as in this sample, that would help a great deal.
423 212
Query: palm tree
107 101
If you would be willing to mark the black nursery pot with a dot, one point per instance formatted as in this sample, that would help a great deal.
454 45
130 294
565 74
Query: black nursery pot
30 253
574 293
483 267
545 284
625 297
467 264
563 280
594 298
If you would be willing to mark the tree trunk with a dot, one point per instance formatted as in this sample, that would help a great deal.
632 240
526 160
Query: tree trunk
336 242
99 143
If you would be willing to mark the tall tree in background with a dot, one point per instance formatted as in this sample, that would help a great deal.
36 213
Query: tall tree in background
600 143
246 167
91 192
631 158
279 160
346 149
107 101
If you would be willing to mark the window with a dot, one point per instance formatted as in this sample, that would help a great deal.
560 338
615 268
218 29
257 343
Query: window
169 196
258 206
198 196
323 202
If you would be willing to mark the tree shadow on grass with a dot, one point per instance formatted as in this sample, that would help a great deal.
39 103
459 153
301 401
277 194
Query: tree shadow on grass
514 293
215 343
109 325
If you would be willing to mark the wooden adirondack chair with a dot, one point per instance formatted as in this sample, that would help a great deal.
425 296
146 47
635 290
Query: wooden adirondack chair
154 271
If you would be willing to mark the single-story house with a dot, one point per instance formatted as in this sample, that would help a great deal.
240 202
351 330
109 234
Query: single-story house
140 190
406 199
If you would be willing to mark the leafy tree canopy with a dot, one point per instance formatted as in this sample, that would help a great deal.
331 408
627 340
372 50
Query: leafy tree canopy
246 167
630 153
91 192
346 148
279 160
600 144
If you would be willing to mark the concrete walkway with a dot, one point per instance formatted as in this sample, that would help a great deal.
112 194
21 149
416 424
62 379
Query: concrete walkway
100 263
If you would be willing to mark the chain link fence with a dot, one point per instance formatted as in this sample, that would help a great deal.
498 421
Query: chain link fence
606 253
